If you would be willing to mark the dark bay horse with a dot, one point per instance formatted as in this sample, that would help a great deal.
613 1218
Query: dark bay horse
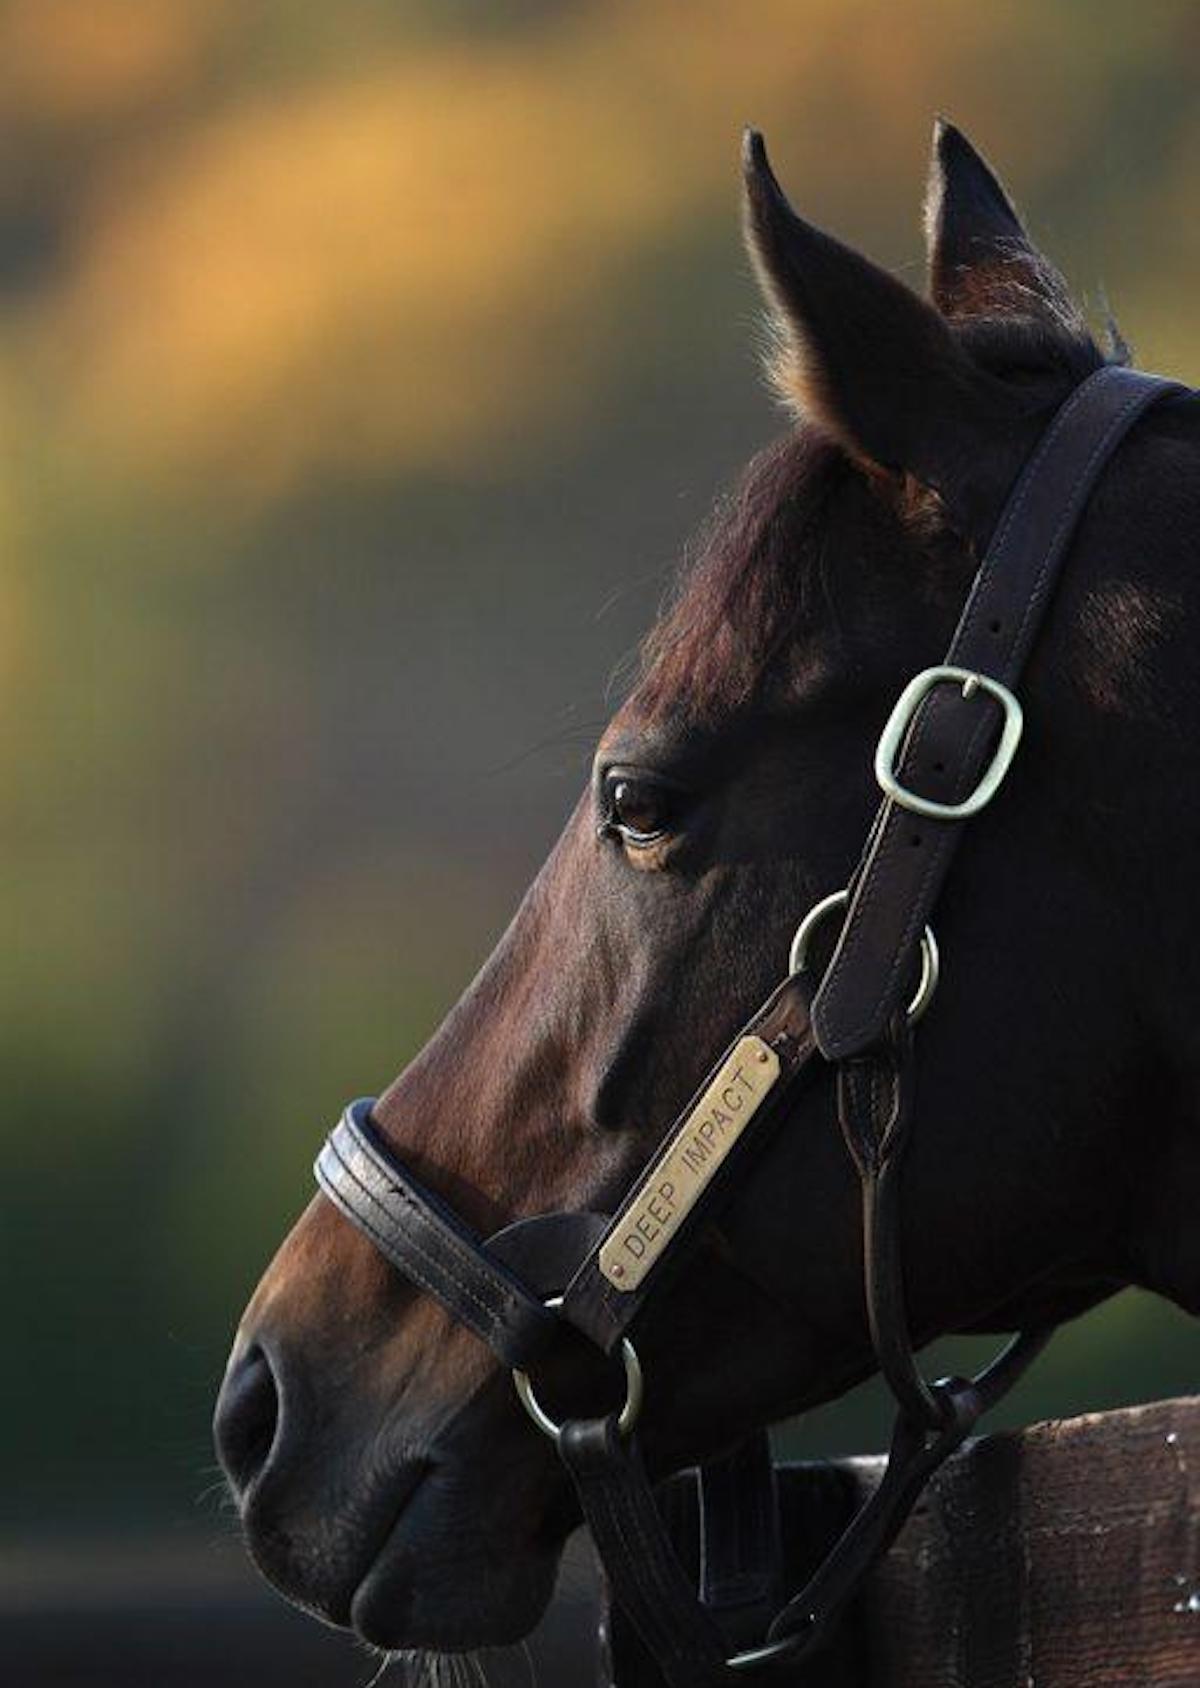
385 1474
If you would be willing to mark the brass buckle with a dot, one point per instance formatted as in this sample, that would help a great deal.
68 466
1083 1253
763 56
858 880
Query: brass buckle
900 720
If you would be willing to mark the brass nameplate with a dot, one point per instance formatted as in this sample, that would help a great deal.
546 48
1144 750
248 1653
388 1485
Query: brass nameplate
673 1184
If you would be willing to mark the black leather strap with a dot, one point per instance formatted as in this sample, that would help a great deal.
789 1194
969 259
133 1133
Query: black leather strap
423 1238
427 1242
874 1104
639 1559
951 738
741 1554
914 1455
598 1307
650 1585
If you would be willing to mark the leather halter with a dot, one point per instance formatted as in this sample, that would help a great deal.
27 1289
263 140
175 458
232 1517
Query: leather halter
938 763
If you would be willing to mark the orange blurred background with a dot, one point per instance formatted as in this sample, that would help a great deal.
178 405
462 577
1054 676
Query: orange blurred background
362 371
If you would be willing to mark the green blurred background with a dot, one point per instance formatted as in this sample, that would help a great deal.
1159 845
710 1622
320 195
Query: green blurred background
362 370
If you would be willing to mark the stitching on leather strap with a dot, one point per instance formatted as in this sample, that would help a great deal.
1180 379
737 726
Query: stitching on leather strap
460 1249
414 1250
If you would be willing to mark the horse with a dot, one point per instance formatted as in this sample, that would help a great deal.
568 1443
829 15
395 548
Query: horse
386 1477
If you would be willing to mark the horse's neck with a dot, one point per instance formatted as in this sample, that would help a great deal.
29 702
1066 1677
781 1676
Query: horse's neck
1152 811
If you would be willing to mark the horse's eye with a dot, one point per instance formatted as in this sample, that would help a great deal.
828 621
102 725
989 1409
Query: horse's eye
640 809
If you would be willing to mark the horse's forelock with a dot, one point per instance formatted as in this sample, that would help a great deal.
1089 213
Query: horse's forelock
747 586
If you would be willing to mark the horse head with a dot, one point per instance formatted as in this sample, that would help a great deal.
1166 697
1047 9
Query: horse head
385 1474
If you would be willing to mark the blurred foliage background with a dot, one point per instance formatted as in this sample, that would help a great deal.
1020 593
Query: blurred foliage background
362 369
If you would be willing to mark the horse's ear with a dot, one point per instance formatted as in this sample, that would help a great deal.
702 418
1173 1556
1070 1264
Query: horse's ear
981 261
861 354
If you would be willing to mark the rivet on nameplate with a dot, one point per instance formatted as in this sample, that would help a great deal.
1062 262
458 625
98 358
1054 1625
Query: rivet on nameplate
652 1215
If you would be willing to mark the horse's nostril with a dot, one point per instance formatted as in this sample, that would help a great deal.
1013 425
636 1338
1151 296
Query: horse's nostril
246 1418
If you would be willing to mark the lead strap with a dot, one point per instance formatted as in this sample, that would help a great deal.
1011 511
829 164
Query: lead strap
639 1559
650 1585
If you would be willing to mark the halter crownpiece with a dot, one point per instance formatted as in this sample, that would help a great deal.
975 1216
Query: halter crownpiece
857 1025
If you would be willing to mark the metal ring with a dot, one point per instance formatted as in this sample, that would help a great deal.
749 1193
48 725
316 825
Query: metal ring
931 965
634 1390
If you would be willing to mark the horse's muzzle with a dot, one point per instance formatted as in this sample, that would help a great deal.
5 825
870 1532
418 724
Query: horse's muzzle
375 1521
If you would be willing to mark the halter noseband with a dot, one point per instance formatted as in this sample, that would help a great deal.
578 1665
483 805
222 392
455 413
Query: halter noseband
596 1274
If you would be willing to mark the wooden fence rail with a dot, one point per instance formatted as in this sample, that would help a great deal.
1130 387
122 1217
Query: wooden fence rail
1064 1556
